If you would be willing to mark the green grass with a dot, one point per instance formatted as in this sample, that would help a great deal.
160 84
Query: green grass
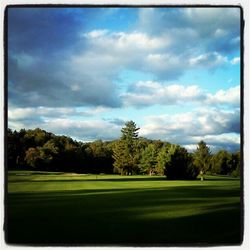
59 208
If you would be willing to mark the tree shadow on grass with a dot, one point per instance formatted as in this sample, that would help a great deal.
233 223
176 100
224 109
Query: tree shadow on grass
93 179
221 178
214 191
172 215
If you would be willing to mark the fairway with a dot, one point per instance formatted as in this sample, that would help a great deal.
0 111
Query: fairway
59 208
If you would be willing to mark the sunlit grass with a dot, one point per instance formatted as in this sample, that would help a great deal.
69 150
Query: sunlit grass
109 209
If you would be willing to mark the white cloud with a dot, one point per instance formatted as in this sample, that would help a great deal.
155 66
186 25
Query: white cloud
85 130
39 114
190 147
227 141
161 63
140 41
219 129
235 60
124 40
186 128
229 96
106 53
15 114
149 93
95 33
77 123
220 33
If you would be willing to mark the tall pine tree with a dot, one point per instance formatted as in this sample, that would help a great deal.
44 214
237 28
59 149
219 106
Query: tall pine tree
126 149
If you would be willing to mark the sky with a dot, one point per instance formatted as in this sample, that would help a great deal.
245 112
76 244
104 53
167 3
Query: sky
84 72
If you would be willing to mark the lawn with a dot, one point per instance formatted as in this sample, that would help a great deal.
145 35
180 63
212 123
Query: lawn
60 208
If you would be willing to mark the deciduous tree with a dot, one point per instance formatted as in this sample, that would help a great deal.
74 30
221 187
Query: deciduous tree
33 157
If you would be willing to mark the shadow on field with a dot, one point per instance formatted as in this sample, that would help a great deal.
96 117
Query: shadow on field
210 178
97 179
172 215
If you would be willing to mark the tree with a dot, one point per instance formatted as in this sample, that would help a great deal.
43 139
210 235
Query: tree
130 135
48 152
101 157
162 159
221 162
36 137
202 158
126 149
235 164
12 149
149 159
122 163
33 157
179 164
16 148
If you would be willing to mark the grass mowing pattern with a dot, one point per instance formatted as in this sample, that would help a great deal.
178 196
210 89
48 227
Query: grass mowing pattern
59 208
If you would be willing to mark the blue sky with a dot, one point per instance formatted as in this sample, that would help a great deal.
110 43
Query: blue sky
84 72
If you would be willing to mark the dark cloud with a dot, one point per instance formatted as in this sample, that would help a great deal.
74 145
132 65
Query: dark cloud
44 30
41 42
116 121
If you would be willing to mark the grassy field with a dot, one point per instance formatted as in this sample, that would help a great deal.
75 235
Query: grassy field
58 208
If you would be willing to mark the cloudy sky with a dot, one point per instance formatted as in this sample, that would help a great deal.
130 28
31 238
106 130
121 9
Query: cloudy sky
84 72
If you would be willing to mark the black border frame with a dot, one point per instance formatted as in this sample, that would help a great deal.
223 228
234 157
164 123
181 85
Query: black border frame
5 38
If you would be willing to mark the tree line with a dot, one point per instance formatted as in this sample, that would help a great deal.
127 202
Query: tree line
130 154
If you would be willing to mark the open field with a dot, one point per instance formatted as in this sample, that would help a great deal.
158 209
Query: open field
63 208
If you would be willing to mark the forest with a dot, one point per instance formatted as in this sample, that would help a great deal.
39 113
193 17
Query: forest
37 149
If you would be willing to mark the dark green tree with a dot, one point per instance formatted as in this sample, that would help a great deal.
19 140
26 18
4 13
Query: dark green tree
179 164
221 162
162 159
130 134
235 164
101 157
148 161
122 162
202 157
12 149
16 148
125 151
